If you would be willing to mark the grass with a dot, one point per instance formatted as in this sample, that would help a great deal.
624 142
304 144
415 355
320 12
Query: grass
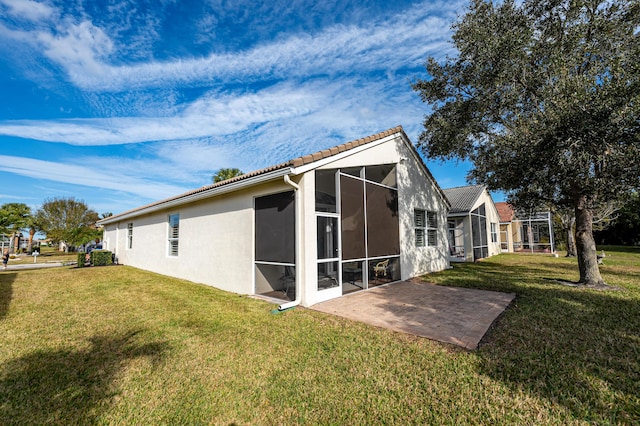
117 345
47 254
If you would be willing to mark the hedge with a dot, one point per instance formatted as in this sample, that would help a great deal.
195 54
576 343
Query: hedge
101 258
96 258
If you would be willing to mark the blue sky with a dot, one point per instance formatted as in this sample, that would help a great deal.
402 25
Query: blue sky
120 103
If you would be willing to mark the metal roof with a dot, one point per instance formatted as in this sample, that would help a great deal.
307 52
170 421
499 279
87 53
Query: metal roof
462 198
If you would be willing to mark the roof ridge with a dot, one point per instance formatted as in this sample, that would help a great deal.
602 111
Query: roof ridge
295 162
319 155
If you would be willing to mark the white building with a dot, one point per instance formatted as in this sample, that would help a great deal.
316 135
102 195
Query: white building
473 224
355 216
531 233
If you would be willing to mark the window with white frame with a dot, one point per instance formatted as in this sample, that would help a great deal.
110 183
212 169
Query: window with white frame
494 232
174 233
426 228
130 235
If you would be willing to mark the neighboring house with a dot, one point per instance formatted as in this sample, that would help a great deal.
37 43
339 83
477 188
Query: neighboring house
525 233
472 224
355 216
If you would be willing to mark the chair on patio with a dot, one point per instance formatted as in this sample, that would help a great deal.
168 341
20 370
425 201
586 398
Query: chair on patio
380 269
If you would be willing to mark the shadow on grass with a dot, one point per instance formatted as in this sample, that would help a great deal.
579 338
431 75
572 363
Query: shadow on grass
6 292
577 348
69 386
574 347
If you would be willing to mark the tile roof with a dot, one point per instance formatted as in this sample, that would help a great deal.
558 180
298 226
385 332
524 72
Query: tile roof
505 211
462 198
296 162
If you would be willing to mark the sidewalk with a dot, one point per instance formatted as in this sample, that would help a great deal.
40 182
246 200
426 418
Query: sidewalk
25 266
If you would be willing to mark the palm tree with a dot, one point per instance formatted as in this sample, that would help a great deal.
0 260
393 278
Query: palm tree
224 174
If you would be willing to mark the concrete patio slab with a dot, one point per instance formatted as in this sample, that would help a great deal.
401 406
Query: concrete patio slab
459 316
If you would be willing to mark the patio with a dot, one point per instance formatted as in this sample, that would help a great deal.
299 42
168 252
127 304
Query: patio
459 316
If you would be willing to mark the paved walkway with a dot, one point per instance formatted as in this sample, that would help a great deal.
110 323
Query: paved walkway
23 266
459 316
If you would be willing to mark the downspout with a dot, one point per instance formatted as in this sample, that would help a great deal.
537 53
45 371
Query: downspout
298 227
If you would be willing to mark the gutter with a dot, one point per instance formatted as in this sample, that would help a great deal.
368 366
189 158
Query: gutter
298 237
197 195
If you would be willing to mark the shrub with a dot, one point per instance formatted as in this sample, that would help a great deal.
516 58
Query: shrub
101 258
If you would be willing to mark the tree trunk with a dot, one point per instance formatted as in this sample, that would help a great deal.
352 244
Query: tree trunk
571 239
32 232
586 246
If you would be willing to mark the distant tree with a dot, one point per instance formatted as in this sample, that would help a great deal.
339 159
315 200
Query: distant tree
34 226
565 217
544 99
625 228
224 174
105 215
67 220
14 217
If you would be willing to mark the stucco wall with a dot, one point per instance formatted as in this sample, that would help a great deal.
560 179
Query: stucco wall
415 191
216 240
217 235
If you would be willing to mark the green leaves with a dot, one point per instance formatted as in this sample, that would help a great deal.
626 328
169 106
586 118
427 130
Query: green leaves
68 219
543 98
13 217
224 174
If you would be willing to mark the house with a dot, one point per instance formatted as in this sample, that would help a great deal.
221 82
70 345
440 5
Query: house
352 217
525 233
472 224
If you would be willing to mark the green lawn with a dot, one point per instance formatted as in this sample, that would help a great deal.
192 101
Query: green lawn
116 345
46 255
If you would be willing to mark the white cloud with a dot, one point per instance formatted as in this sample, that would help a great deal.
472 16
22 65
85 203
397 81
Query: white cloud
80 50
338 50
28 9
210 115
87 176
395 42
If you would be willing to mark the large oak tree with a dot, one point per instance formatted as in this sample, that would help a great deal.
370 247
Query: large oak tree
68 220
543 97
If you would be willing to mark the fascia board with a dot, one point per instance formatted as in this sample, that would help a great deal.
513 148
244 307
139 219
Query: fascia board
328 160
213 192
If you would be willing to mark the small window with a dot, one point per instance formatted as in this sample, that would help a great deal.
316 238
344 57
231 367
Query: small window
129 235
494 233
174 234
420 237
426 228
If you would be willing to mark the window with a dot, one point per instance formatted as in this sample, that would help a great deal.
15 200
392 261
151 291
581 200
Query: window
426 228
129 235
174 234
419 223
494 233
432 229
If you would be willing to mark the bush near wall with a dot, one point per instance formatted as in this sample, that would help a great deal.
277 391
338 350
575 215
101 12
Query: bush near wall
81 258
97 258
101 258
